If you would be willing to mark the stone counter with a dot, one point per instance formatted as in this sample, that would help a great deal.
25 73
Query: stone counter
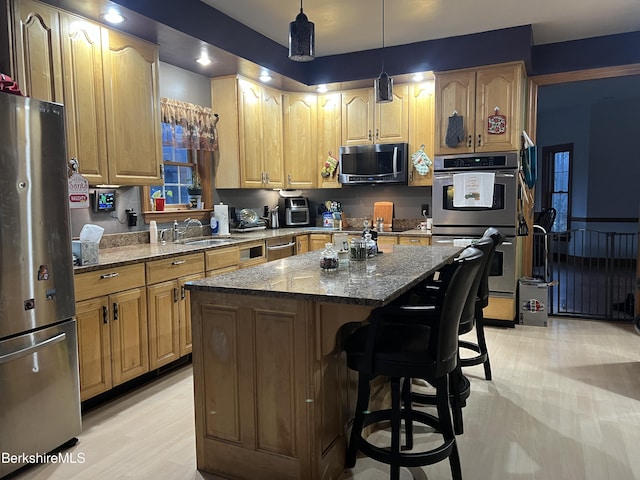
128 254
371 283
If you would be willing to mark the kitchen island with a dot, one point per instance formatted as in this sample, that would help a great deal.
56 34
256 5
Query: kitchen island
273 394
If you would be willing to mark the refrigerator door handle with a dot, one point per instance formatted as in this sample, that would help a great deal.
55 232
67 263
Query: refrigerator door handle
32 349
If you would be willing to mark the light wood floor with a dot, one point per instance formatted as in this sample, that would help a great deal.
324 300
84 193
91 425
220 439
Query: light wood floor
564 404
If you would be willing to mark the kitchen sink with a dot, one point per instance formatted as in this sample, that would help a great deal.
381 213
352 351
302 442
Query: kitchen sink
207 242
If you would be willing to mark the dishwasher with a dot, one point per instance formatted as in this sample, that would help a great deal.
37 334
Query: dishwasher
280 247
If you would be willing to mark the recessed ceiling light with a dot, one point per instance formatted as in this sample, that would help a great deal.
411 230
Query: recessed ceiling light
322 89
418 77
265 77
113 16
204 59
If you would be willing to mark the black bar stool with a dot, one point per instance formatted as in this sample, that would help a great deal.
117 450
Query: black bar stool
397 344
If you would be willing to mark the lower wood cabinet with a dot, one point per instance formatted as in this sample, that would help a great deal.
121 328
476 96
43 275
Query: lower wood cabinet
318 240
408 240
302 244
169 323
112 328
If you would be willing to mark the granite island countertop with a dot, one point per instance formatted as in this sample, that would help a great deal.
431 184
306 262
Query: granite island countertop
372 283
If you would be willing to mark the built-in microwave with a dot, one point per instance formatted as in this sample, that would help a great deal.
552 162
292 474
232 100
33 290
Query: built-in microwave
371 164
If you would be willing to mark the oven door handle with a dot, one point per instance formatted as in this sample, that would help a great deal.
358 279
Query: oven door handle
281 247
443 175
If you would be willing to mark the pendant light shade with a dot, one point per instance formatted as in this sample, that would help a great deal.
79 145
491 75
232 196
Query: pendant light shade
302 38
383 85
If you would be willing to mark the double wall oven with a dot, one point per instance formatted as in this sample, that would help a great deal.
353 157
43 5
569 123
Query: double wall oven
462 225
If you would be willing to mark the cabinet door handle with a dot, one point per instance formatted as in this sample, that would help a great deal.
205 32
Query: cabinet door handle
377 134
109 275
370 135
182 292
178 262
105 314
470 141
289 178
115 311
268 177
175 295
411 175
479 139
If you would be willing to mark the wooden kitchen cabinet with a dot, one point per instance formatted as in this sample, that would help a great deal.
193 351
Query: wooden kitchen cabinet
132 107
302 244
300 140
329 136
475 94
317 241
111 311
36 50
108 83
366 122
421 128
84 96
251 140
409 240
169 334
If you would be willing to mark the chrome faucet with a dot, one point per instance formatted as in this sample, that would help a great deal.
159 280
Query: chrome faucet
188 223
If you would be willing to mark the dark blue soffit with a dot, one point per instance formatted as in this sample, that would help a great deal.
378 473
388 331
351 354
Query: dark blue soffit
205 23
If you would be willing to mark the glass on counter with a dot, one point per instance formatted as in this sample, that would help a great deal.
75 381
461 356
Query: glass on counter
358 249
329 258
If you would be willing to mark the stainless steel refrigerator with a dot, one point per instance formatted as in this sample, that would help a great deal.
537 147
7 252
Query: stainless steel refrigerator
39 384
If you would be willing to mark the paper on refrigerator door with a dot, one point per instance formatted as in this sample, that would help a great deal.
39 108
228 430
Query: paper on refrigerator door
473 189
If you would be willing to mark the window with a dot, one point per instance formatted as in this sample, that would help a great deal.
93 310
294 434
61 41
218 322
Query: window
179 164
189 138
556 183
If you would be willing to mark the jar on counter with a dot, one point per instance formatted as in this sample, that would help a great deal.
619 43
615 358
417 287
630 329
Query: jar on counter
357 250
380 224
329 258
371 245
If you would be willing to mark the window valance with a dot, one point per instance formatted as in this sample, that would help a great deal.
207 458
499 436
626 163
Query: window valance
185 125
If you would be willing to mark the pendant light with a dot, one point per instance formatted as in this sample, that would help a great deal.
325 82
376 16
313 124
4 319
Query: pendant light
383 85
301 38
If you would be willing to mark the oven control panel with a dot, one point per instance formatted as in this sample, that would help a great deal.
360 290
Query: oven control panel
476 161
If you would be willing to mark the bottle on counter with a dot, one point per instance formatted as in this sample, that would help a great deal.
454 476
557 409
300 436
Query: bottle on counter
213 223
329 258
153 232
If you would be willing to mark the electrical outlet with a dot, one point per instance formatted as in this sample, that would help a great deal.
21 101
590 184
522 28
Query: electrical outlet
425 209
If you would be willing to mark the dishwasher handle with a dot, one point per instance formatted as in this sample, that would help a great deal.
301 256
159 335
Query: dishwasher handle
281 247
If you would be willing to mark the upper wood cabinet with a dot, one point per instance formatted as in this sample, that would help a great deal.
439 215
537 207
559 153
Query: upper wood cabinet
108 83
132 107
251 144
84 96
477 94
421 128
329 136
300 140
365 122
37 51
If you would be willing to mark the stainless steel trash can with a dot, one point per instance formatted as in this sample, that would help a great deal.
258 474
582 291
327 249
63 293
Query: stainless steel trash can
534 295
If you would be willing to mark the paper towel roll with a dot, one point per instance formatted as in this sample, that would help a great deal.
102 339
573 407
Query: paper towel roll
221 212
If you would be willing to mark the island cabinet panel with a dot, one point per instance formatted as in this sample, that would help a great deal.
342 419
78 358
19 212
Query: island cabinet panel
254 392
221 394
